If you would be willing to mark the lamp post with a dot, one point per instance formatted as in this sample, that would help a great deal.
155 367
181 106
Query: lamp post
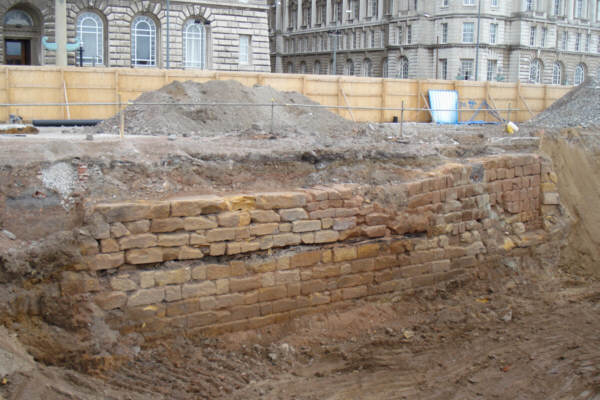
477 44
335 35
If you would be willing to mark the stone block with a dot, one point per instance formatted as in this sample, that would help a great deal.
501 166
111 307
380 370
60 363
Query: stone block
172 293
550 198
99 229
286 239
146 279
368 250
245 311
118 230
220 234
287 276
217 249
354 292
233 219
263 229
109 246
362 265
312 286
306 226
305 259
222 286
173 239
284 305
190 253
325 271
198 223
264 216
166 225
377 219
344 254
198 240
229 300
122 284
173 277
144 256
327 236
293 214
241 202
244 284
140 241
277 200
272 293
111 300
105 261
342 224
146 296
201 319
285 227
193 206
170 253
354 280
201 289
125 211
136 227
375 231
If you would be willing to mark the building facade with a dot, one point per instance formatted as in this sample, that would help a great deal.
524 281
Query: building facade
537 41
219 35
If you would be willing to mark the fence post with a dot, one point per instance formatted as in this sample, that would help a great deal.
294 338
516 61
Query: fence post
339 93
383 100
6 83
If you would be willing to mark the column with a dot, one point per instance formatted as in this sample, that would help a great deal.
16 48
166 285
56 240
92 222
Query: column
344 13
299 14
286 15
278 19
329 12
570 9
60 32
313 12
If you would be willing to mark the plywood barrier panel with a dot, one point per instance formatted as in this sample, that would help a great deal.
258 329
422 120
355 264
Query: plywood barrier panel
315 88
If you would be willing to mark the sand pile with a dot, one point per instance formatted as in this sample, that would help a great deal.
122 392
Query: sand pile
210 120
578 108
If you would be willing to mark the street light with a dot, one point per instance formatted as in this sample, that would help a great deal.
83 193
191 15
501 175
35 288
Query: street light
335 34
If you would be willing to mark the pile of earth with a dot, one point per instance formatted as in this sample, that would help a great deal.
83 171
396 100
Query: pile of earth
578 108
251 113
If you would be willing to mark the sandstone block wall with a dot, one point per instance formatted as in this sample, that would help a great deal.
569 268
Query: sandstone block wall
215 263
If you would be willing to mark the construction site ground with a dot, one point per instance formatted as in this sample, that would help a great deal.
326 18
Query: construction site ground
527 330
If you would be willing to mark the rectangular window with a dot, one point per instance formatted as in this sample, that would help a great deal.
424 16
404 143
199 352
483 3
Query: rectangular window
528 5
372 39
373 8
320 14
588 40
492 66
466 68
245 49
400 35
356 9
409 34
532 36
444 3
305 17
565 40
578 42
543 38
494 3
493 33
443 68
467 34
444 33
556 7
578 8
468 2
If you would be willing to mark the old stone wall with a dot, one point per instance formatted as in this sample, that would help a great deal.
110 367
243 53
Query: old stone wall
220 263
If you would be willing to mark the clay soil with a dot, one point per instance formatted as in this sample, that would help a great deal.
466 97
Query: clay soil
505 334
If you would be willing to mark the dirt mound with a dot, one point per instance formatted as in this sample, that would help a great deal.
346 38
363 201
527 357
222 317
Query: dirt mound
186 117
578 108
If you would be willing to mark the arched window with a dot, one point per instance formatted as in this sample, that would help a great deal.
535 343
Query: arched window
535 71
349 67
302 67
18 18
385 68
367 69
557 73
579 74
194 44
317 68
143 42
90 31
290 68
403 68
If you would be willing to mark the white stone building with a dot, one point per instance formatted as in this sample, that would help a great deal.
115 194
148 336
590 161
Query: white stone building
212 34
545 41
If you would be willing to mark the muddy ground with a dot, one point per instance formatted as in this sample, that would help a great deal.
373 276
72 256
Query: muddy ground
516 332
